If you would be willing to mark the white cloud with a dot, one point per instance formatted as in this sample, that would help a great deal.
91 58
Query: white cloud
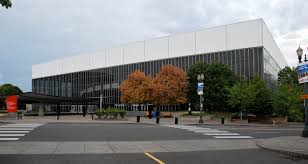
289 43
47 30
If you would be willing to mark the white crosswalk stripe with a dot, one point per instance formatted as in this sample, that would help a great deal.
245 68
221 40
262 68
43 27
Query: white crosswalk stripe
233 137
9 139
12 135
217 134
20 128
10 132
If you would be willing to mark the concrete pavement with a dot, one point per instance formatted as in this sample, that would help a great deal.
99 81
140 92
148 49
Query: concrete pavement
124 143
246 156
123 146
290 145
128 120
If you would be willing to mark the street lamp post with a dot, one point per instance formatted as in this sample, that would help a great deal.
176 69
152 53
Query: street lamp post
299 52
200 93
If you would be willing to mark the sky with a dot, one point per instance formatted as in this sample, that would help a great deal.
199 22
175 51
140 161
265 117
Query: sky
36 31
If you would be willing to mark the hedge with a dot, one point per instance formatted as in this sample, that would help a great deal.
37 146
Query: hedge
111 113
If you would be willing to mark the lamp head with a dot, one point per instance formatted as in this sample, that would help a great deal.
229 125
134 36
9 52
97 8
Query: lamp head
299 53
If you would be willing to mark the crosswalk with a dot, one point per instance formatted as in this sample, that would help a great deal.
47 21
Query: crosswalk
13 132
217 134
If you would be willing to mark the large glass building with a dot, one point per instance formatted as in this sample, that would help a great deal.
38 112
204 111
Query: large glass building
248 48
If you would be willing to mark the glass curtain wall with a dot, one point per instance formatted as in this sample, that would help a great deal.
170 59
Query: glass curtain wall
106 81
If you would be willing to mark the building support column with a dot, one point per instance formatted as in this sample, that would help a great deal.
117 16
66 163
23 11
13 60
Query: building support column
41 110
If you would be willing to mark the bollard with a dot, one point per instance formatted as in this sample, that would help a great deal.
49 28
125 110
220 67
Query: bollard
138 119
222 120
176 120
157 120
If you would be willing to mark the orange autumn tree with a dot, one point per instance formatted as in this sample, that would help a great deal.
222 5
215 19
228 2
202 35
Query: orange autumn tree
170 86
135 90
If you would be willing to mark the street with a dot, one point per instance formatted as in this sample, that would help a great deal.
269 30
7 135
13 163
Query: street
139 143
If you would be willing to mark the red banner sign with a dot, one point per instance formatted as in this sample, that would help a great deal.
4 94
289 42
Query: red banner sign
11 103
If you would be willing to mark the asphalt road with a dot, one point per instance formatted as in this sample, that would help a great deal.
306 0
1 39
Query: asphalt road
107 132
79 132
143 132
259 132
253 156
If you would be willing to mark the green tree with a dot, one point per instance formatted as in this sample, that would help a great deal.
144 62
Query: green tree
6 3
9 89
287 101
195 70
288 75
262 104
218 78
242 95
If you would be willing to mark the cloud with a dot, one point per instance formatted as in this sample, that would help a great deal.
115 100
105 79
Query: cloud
289 43
32 34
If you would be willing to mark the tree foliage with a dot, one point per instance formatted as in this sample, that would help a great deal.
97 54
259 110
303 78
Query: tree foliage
9 89
170 86
218 77
287 75
287 101
195 70
242 95
6 3
262 103
135 90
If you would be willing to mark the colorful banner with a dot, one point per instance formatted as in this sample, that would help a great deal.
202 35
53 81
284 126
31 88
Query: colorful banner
200 88
11 104
302 72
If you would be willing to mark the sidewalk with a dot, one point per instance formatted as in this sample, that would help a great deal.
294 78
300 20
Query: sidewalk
127 120
64 119
293 146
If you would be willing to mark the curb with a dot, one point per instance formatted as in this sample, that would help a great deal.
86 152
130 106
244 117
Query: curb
285 152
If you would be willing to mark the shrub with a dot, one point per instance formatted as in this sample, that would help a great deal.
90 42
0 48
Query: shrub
3 111
122 113
114 113
99 113
110 113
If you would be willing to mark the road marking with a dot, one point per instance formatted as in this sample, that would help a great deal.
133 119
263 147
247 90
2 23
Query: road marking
14 131
28 129
12 135
232 137
154 158
209 131
199 129
268 132
221 134
260 129
9 139
12 126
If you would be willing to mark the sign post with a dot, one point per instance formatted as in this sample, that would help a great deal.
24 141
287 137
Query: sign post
200 87
200 93
302 71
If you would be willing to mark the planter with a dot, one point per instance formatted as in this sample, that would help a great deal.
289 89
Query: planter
239 121
273 121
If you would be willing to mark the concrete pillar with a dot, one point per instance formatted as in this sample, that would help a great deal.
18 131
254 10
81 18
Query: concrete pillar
41 110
